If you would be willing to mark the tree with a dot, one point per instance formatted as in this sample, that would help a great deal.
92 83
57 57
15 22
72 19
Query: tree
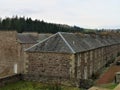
20 24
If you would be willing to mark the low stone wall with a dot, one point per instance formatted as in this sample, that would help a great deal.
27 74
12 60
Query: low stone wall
9 79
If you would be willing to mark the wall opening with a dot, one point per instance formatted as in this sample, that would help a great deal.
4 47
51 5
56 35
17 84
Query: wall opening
15 68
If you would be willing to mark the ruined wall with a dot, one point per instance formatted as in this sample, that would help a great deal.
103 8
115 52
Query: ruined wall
48 65
8 53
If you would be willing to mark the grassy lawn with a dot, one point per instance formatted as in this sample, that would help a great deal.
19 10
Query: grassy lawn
23 85
110 86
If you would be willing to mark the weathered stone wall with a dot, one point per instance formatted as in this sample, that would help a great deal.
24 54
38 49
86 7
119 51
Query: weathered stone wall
48 64
90 62
21 49
55 66
50 67
8 52
77 66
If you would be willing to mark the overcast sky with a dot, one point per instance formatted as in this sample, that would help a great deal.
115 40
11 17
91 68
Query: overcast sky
83 13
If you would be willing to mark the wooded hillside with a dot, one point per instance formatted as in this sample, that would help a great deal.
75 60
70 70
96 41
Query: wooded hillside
22 24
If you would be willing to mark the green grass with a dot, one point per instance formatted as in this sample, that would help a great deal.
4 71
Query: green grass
110 86
23 85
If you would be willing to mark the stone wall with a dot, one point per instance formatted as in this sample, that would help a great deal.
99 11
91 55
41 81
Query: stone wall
46 67
21 49
50 68
48 64
72 67
8 53
90 62
117 77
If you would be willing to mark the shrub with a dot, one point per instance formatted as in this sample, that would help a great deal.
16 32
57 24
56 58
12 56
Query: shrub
86 83
118 54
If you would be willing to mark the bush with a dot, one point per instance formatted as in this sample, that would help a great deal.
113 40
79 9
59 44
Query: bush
118 54
86 83
95 75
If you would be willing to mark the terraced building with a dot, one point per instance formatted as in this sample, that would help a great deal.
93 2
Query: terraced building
69 57
64 58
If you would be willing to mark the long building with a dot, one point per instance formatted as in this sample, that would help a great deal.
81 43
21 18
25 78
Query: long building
63 58
69 57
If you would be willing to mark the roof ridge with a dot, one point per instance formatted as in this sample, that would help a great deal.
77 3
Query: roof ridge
66 42
39 42
65 32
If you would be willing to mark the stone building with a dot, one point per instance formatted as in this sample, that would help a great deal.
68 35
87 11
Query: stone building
26 40
12 49
9 59
43 36
68 57
63 57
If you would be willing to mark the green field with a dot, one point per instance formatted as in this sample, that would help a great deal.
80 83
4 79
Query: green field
110 86
23 85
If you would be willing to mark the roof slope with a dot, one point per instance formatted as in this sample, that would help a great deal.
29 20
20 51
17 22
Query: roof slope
43 36
27 38
54 43
73 43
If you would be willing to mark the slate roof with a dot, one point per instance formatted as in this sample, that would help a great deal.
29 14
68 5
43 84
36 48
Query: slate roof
27 38
43 36
73 43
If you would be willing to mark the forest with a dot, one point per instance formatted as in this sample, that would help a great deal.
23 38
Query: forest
22 24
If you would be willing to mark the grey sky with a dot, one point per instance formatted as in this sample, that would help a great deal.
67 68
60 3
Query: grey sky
84 13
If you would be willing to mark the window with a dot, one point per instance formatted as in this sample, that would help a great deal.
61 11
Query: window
91 70
91 55
79 59
85 72
15 68
86 57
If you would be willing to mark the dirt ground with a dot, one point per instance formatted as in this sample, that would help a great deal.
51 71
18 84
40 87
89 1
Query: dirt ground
109 75
118 87
97 88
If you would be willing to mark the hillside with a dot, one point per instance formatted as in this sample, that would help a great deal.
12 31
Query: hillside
22 24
